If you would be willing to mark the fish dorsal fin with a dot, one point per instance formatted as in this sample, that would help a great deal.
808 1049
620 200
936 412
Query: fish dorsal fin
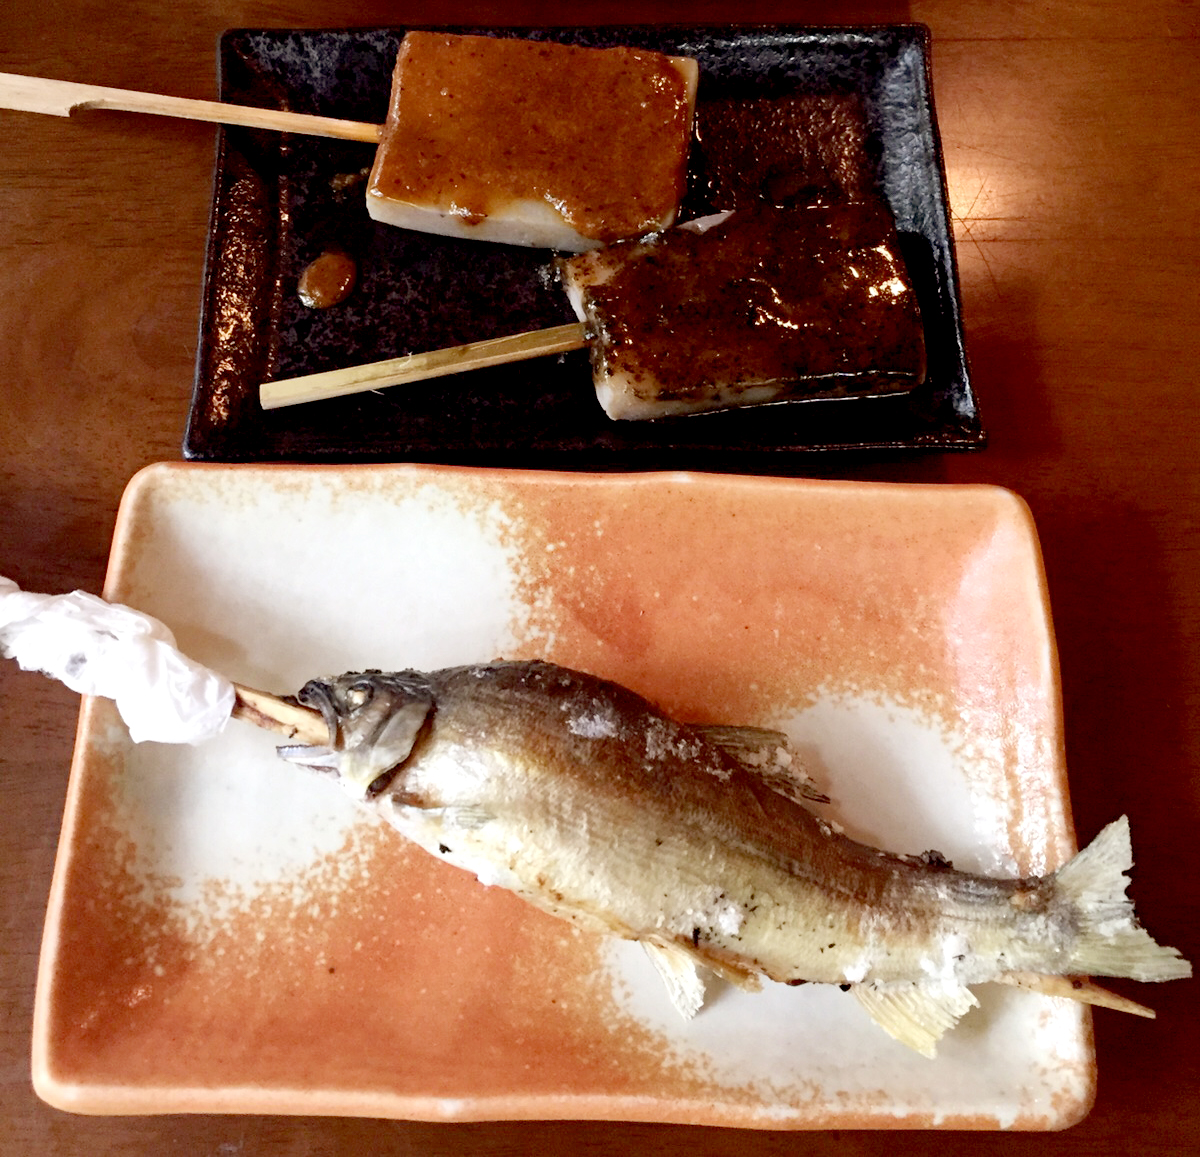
678 968
765 754
916 1014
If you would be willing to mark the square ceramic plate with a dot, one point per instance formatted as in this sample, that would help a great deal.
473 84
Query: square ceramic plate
279 203
227 934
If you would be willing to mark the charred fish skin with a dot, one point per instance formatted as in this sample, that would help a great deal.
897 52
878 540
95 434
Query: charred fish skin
579 795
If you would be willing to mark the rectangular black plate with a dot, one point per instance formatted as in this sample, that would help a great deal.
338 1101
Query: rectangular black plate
275 209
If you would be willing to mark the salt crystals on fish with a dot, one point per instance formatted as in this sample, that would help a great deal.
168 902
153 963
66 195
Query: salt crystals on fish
764 304
579 796
494 139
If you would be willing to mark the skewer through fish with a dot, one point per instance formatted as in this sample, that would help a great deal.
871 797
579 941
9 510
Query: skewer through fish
578 795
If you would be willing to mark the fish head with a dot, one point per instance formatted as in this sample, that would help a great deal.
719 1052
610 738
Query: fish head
374 719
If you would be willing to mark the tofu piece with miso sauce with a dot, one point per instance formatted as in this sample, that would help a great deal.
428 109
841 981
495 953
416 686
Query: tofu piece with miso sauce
765 304
533 142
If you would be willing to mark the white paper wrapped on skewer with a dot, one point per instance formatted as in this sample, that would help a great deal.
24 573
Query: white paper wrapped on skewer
107 649
101 648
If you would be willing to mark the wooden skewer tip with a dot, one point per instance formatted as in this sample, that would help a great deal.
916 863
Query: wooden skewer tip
422 366
271 713
61 98
1078 989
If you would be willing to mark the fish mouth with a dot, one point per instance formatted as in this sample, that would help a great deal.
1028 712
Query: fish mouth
373 719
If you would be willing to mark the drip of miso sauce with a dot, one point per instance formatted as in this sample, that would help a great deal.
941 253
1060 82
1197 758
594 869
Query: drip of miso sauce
328 280
783 150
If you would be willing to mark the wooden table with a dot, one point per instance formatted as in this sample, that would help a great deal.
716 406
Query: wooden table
1070 138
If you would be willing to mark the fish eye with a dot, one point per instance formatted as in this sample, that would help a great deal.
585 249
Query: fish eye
359 693
380 782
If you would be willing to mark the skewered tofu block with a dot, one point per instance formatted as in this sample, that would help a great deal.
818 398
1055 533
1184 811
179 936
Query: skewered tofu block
761 305
533 143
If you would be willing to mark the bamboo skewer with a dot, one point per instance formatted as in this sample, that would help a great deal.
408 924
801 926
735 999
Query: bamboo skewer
282 716
305 725
422 366
62 97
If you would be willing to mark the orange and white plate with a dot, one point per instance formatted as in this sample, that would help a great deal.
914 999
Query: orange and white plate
227 934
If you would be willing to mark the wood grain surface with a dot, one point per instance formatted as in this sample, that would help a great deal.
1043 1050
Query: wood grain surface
1070 135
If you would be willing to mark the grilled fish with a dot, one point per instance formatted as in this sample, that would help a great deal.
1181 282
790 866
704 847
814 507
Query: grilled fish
578 795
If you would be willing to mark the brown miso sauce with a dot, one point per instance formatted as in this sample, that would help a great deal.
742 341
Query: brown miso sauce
477 123
783 150
328 280
816 293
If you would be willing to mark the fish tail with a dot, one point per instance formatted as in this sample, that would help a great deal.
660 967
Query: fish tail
1110 941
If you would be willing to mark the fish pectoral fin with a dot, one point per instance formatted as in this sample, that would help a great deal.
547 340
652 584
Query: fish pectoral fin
680 974
470 817
916 1014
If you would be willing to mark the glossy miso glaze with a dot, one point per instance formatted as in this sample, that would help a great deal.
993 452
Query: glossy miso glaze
477 123
814 299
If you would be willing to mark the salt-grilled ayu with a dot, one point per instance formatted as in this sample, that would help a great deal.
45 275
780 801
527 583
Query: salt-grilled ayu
579 796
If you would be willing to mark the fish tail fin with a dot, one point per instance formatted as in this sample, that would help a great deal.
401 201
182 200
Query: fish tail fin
1110 941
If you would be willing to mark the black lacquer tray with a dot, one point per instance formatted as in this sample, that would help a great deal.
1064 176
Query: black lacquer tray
277 205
